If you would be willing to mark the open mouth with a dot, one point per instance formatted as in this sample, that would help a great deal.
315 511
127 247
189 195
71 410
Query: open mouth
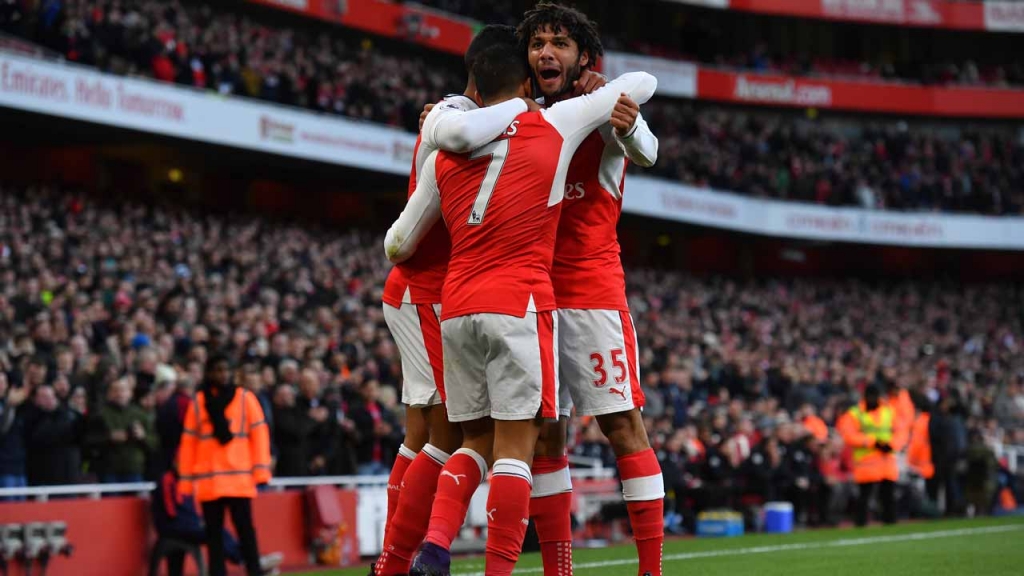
549 74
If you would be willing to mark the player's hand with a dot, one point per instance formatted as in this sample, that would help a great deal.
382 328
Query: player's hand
118 436
531 105
423 115
624 115
588 82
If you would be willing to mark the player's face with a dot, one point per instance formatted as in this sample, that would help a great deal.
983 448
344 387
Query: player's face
555 60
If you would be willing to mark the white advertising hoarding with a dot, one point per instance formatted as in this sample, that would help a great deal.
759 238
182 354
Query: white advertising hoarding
83 94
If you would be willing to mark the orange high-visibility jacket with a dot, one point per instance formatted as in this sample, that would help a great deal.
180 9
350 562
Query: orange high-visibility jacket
817 427
919 452
211 470
860 430
903 408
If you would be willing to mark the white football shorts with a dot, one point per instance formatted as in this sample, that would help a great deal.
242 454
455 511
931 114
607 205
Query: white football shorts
501 366
416 329
598 361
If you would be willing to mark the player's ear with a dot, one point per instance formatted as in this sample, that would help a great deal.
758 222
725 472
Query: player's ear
584 59
526 88
478 98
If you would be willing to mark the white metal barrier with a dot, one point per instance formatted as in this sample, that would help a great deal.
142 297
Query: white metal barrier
1014 456
371 511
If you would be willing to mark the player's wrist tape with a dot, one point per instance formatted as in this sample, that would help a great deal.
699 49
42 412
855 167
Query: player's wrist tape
632 131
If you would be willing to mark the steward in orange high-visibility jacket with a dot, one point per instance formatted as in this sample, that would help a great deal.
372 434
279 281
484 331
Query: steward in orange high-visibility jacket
224 455
902 406
919 451
870 431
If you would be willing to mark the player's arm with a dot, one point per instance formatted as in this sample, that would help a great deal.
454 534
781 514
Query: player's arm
450 127
419 216
577 117
639 144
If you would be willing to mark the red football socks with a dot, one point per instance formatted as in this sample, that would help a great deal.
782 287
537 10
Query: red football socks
402 462
405 532
643 489
550 510
508 511
455 487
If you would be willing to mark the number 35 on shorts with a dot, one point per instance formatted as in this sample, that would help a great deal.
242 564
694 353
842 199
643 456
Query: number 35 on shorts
613 360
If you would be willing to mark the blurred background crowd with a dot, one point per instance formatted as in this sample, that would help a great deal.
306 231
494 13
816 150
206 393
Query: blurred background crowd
109 311
885 164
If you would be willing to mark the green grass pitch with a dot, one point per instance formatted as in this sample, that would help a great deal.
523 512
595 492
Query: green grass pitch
988 547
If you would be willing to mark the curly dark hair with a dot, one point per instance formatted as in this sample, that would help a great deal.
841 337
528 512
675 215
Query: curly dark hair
579 27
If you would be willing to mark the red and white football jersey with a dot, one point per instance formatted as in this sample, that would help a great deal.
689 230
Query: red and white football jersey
587 271
418 280
501 204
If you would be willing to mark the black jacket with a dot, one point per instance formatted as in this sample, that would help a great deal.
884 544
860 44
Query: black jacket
364 424
12 440
53 444
295 438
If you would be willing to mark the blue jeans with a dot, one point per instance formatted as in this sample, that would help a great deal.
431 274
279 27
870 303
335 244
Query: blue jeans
372 469
13 481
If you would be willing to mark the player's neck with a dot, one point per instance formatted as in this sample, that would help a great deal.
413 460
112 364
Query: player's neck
499 98
556 98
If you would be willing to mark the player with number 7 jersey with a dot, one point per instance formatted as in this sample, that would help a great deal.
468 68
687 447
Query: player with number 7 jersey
501 204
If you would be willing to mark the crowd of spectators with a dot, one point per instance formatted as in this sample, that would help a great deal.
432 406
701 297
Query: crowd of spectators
878 164
108 313
213 48
718 42
881 164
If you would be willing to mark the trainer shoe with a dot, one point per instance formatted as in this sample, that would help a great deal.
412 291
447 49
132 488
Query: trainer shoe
432 560
270 563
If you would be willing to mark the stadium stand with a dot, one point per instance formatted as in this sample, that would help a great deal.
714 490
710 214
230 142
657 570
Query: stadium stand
878 164
208 47
100 296
746 374
887 164
769 44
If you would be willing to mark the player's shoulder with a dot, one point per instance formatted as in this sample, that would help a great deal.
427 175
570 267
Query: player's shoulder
456 103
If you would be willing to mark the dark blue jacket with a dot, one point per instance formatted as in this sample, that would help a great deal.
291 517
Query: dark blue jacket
12 440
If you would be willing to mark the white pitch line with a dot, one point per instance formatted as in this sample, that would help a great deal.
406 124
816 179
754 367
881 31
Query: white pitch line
789 547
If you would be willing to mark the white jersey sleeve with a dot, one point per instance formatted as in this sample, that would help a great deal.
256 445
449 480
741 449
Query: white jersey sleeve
421 213
577 117
455 127
639 144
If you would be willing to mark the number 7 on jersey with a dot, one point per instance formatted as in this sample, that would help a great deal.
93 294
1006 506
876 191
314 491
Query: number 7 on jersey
497 150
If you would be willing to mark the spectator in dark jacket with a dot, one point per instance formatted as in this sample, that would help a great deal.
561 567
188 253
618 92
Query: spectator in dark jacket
124 434
381 434
12 435
294 434
170 418
53 435
947 434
